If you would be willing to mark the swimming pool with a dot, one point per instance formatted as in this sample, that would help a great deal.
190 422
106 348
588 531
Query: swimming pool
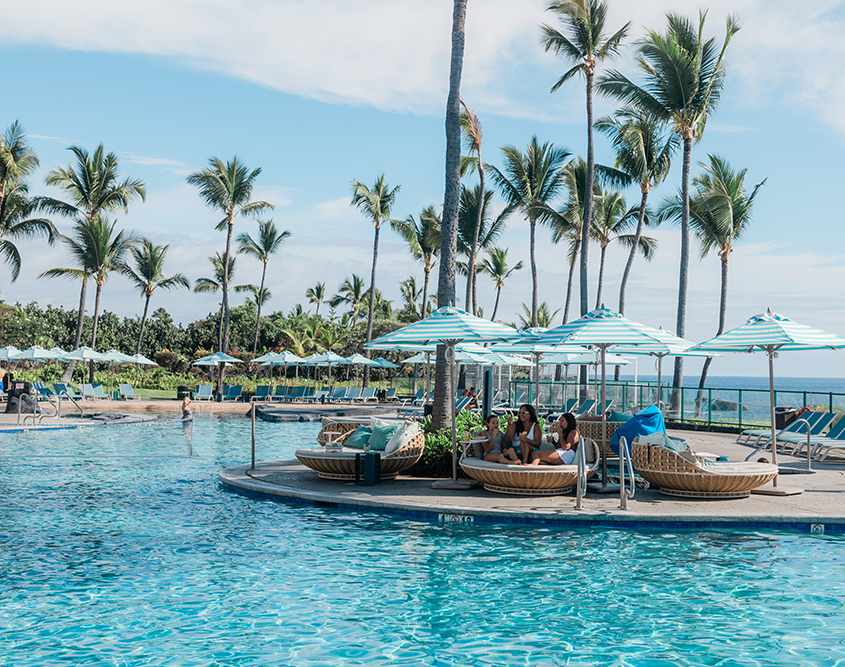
120 547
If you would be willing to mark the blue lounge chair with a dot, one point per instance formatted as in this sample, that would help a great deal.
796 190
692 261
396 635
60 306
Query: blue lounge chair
43 393
90 393
368 394
233 392
352 394
391 394
279 394
752 435
66 389
585 407
127 392
417 398
822 446
262 393
204 392
799 437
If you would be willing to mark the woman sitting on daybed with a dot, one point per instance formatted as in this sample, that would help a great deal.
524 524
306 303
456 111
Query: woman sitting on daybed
566 444
524 434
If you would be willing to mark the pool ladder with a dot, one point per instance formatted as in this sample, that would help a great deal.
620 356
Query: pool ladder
625 468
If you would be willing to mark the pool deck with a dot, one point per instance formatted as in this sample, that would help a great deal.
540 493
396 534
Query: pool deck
821 508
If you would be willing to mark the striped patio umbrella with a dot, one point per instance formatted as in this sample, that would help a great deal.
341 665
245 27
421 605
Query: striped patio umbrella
6 353
602 328
449 326
772 333
35 353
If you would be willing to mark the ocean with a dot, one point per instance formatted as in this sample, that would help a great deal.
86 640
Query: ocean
816 385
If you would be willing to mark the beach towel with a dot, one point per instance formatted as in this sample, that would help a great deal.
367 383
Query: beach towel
647 421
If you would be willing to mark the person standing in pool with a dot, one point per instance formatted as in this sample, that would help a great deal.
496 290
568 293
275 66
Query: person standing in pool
525 433
494 449
566 439
187 410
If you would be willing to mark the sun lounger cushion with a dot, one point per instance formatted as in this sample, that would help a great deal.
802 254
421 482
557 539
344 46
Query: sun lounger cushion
383 431
403 436
620 416
360 438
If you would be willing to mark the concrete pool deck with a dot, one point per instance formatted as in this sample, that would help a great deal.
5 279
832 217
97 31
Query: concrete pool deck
821 508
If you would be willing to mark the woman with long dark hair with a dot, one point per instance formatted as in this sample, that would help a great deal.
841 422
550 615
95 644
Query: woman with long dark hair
566 444
525 433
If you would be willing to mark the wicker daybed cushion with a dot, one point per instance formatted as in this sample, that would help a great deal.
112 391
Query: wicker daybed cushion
683 474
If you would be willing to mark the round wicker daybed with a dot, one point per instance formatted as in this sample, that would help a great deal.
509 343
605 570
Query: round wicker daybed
332 462
687 477
541 480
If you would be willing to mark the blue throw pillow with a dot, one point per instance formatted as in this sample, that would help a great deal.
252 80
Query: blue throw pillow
382 434
359 438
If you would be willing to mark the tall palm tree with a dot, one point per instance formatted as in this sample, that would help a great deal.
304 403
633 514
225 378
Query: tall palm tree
98 250
316 294
612 222
15 223
474 137
423 237
92 185
376 204
260 297
443 399
352 293
645 155
720 213
268 242
496 266
684 78
215 284
410 294
17 159
585 44
544 316
475 226
228 187
529 182
148 275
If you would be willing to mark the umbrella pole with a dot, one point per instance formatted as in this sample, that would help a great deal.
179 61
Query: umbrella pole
537 380
604 487
659 371
770 352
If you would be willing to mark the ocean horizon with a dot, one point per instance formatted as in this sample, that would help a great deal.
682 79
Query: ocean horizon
808 384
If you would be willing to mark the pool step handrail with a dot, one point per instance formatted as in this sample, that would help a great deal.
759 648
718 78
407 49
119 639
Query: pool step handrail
581 476
64 394
625 468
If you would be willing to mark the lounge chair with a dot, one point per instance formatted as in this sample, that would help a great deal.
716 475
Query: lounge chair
99 393
90 393
822 446
529 480
367 394
391 395
127 392
569 406
683 474
337 394
798 438
42 392
585 407
66 389
417 398
204 392
279 394
262 393
352 394
752 436
233 392
341 464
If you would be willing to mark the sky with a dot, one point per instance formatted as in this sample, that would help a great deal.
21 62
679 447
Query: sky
320 94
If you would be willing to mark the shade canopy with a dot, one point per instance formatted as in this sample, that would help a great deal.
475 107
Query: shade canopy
602 327
8 352
217 358
141 359
117 357
287 357
381 362
327 359
84 354
460 357
529 343
447 324
359 359
500 359
34 353
587 359
264 358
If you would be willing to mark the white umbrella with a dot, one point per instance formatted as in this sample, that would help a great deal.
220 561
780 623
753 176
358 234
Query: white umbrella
6 353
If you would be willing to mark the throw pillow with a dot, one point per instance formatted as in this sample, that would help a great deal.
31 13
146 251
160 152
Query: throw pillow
383 431
402 437
359 438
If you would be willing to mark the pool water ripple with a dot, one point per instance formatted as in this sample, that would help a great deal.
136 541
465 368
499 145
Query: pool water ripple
120 547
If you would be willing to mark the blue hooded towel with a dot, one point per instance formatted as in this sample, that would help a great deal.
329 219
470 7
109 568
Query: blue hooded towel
644 422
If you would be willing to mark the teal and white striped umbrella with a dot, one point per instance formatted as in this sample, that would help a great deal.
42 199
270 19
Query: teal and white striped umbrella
84 353
448 324
287 357
217 358
772 333
7 353
34 353
460 357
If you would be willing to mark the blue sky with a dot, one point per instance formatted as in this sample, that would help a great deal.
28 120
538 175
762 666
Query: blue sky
319 94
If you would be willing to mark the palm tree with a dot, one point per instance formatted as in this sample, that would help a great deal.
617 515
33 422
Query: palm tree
474 137
268 242
528 184
351 292
423 239
496 266
720 213
148 275
612 222
17 159
15 223
410 295
260 296
584 45
476 227
316 294
645 155
98 250
443 399
215 284
228 188
684 79
376 204
93 186
544 316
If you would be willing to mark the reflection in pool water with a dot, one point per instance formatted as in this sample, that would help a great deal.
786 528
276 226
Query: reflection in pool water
120 547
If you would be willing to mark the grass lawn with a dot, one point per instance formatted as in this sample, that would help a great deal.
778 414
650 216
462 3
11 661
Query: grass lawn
156 393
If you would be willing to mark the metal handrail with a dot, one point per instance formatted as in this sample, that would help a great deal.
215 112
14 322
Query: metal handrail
581 475
625 465
766 444
71 399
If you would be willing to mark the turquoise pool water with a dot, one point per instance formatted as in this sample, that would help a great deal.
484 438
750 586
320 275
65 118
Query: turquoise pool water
119 547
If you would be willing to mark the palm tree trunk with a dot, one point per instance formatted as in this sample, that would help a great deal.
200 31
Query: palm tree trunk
220 329
225 320
678 377
723 306
617 373
443 399
94 328
532 225
371 309
601 276
80 319
568 298
258 314
143 324
473 251
588 202
427 272
496 306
